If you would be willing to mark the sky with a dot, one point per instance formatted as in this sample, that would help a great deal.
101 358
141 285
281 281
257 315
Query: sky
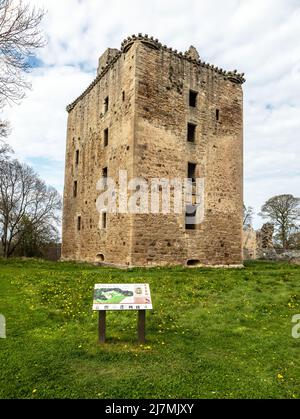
257 37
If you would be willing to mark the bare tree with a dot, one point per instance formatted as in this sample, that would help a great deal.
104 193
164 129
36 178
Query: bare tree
4 129
5 150
294 238
248 216
34 238
284 212
20 36
24 197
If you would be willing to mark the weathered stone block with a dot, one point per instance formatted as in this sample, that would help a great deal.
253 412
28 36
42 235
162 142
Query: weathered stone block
142 96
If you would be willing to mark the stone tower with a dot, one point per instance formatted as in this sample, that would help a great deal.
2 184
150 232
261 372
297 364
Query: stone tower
155 113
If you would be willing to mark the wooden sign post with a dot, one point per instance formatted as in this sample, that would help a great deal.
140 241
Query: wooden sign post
102 326
122 297
142 326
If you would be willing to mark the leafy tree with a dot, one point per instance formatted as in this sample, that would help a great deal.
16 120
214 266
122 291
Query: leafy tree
284 212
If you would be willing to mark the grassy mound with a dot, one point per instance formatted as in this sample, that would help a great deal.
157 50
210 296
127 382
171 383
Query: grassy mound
222 333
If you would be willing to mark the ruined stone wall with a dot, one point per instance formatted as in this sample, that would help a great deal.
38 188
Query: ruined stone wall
162 150
86 124
148 138
249 243
264 238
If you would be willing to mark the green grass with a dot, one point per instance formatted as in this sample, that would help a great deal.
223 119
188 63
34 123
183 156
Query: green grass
212 333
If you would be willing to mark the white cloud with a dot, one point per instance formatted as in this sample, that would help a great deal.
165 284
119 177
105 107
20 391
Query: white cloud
39 123
258 37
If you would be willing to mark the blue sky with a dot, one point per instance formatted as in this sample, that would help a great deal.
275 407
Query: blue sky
258 37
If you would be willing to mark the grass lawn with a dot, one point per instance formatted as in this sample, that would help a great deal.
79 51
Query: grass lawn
212 333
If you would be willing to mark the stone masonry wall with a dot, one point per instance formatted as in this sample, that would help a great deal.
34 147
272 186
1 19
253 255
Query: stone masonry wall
162 150
148 111
249 243
86 124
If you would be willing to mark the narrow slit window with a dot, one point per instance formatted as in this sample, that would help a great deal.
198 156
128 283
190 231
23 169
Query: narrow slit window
193 98
104 175
106 137
77 157
217 114
191 132
104 220
192 171
75 188
106 103
78 223
123 95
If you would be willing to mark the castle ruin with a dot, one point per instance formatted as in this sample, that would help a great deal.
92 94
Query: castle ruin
155 112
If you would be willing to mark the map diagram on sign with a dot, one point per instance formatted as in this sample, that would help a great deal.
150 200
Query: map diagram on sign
122 297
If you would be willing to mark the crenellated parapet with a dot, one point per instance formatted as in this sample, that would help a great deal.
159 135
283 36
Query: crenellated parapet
191 56
145 39
233 76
